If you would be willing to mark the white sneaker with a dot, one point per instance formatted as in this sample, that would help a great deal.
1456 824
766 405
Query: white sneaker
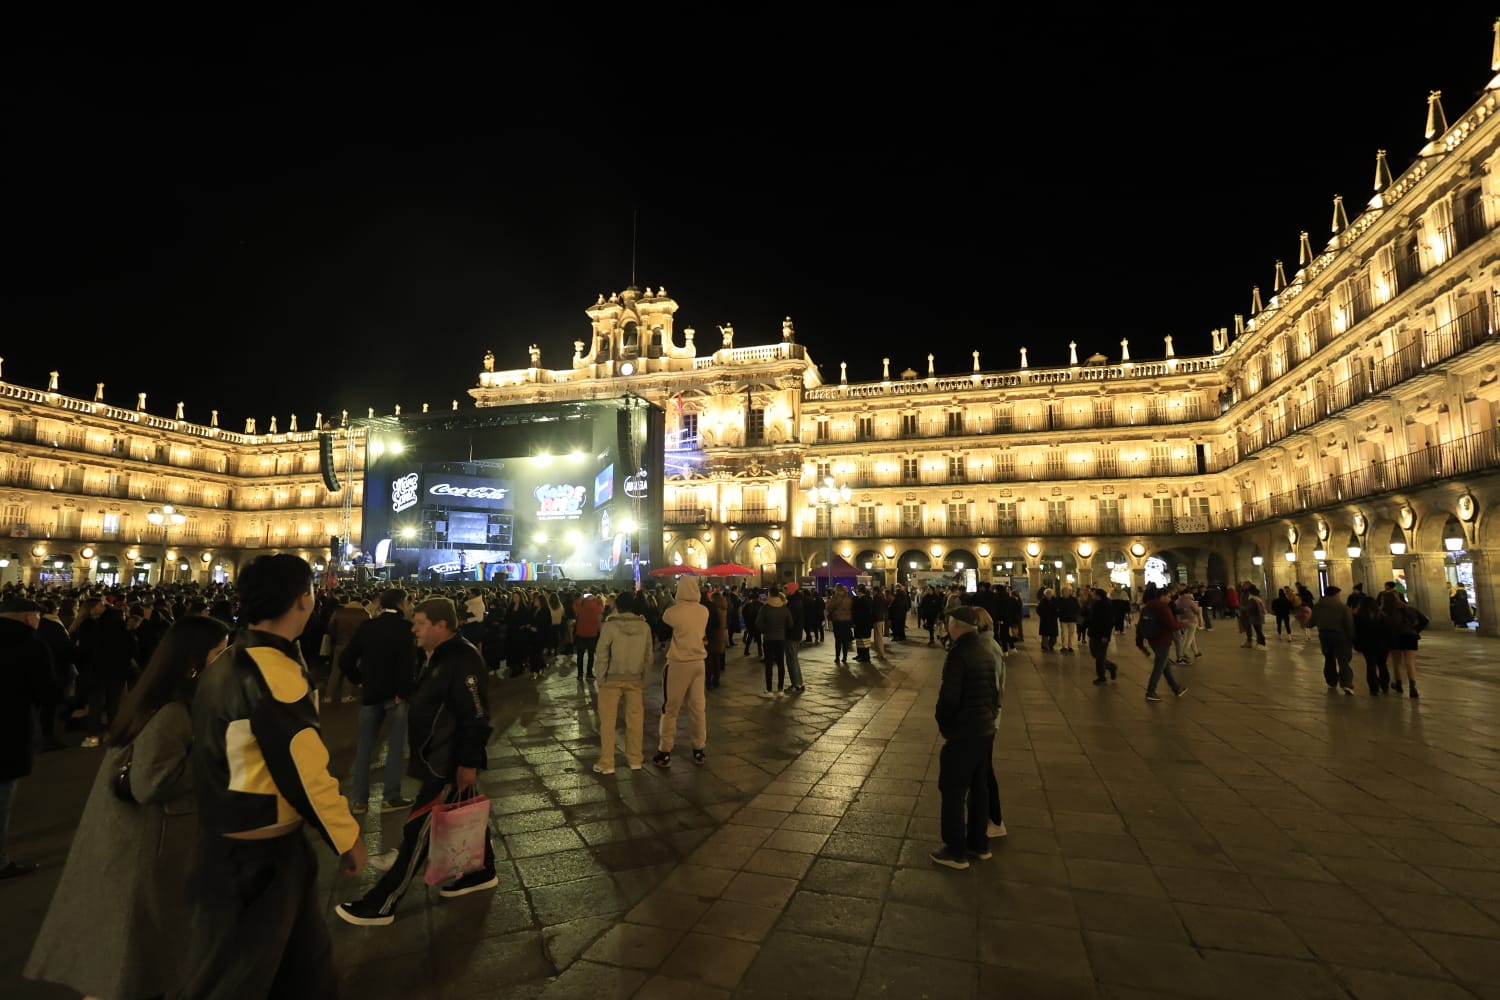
382 862
599 768
90 742
996 830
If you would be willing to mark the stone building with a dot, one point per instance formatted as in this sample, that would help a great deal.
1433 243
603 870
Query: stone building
1345 430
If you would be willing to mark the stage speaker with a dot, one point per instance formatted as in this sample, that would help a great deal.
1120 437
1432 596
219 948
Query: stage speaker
622 433
325 462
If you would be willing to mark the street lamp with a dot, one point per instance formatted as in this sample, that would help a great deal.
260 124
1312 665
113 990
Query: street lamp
166 517
829 496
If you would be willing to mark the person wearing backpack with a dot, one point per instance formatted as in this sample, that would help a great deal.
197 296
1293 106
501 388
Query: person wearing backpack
1153 636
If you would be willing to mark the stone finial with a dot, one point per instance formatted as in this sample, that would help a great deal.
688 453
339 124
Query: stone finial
344 418
318 421
272 429
930 371
1023 358
372 413
180 405
577 349
213 418
292 427
600 301
52 381
398 410
885 369
249 425
1124 350
1168 339
2 368
1072 352
140 401
455 406
976 361
98 392
661 291
424 407
843 373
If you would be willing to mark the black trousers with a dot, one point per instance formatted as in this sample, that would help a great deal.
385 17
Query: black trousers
1337 653
963 782
583 647
1377 672
257 928
411 858
1099 648
776 656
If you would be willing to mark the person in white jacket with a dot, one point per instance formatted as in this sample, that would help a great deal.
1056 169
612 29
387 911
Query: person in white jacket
683 676
622 659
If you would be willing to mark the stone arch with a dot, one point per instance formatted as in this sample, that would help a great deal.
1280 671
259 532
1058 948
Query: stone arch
952 557
745 552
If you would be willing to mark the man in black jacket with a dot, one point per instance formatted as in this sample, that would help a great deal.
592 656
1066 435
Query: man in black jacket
967 706
1099 623
450 724
382 657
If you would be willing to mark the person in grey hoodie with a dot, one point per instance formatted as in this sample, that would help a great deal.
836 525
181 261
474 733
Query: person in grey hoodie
683 676
622 659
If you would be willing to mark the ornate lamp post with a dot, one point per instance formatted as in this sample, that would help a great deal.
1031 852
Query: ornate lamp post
166 517
829 496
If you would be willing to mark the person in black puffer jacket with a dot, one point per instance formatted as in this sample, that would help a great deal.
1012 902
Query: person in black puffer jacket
967 706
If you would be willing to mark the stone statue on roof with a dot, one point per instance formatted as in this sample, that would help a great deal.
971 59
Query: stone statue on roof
489 361
536 355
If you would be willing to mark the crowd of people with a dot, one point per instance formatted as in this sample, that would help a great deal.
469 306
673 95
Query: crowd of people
206 702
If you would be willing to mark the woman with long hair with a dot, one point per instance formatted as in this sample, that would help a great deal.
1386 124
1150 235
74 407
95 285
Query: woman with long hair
116 922
538 634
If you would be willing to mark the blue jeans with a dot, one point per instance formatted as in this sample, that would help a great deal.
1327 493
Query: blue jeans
370 717
1162 667
7 796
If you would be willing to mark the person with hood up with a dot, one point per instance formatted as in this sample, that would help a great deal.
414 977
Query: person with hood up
775 622
682 678
622 658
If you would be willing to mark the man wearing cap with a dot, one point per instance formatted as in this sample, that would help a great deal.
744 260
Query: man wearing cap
25 683
968 704
1335 624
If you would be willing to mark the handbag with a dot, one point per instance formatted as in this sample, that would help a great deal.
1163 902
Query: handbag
121 782
458 833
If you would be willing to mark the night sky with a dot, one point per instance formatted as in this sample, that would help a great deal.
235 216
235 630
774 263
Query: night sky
269 225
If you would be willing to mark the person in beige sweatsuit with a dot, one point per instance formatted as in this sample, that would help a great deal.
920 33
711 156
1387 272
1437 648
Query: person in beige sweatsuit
682 677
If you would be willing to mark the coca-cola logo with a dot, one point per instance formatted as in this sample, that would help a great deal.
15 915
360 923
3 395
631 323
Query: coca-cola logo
472 492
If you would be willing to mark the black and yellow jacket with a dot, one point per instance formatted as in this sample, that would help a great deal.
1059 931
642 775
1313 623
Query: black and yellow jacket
258 755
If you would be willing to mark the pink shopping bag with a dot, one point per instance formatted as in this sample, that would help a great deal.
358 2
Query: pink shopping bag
456 842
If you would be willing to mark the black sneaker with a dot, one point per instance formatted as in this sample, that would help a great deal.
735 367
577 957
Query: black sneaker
472 882
363 914
698 757
662 759
395 805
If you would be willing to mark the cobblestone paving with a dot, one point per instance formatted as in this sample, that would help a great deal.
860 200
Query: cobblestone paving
1261 837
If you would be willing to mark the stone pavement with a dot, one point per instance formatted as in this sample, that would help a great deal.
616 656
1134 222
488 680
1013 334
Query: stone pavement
1259 838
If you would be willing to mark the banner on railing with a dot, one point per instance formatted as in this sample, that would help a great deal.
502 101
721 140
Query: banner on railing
1189 524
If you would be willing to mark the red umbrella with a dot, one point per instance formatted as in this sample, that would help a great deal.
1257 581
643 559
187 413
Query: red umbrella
677 571
729 569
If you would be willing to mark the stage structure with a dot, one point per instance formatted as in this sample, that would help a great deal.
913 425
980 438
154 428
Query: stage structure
542 492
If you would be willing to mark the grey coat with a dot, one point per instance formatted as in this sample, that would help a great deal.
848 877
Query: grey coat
118 921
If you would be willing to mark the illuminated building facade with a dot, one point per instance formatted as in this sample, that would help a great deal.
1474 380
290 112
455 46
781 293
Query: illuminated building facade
1346 430
91 492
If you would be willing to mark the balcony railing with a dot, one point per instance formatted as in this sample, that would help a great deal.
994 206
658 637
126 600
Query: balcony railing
686 515
1464 456
754 514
